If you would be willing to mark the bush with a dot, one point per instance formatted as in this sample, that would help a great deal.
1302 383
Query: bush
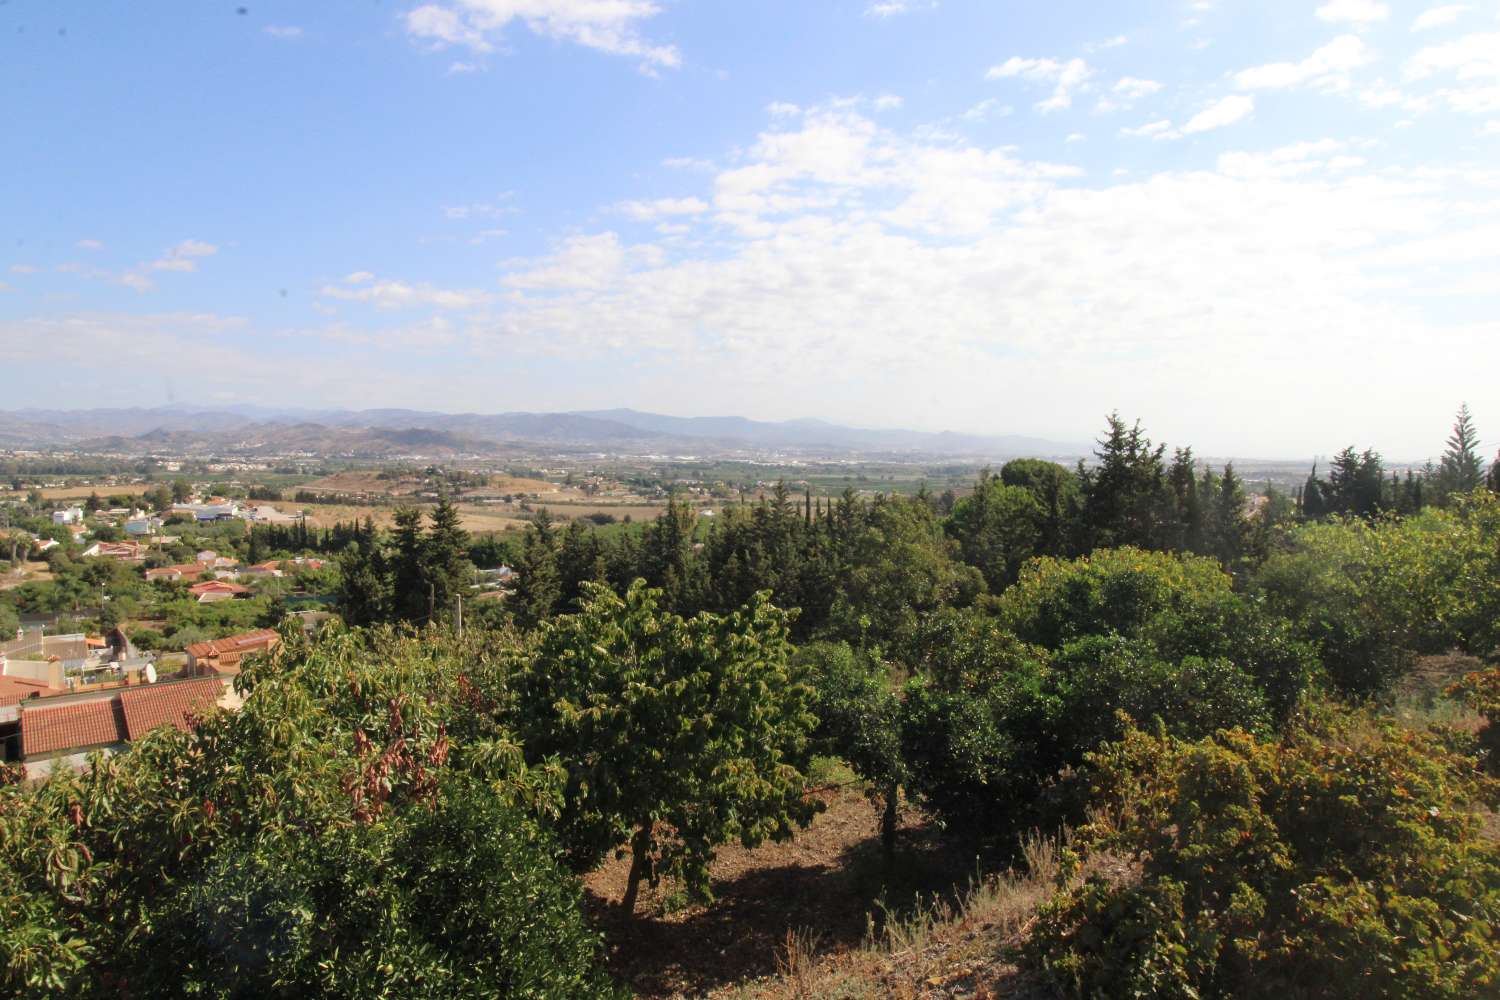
1348 860
1373 595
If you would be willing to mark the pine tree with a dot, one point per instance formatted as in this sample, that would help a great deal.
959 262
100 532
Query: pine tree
539 588
410 598
1461 469
445 561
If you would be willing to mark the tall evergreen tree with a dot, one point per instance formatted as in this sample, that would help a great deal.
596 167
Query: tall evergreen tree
445 562
1461 470
539 589
409 593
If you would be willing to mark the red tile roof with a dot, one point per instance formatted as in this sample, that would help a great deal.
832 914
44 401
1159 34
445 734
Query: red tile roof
186 570
77 726
245 642
168 703
217 587
14 690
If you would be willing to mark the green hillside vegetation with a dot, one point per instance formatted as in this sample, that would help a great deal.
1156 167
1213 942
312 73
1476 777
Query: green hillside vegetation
1160 713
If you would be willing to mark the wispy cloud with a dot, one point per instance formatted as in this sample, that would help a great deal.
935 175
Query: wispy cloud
1436 17
1066 76
182 258
362 286
611 26
286 32
1353 11
892 8
1328 67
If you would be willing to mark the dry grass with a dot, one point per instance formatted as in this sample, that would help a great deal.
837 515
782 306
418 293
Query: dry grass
949 948
80 492
31 572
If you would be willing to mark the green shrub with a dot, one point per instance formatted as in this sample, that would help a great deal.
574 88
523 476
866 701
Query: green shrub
1347 860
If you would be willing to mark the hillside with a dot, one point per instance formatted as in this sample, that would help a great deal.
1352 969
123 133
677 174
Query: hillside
385 432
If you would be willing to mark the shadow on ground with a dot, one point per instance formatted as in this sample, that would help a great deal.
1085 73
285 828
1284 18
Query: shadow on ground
829 882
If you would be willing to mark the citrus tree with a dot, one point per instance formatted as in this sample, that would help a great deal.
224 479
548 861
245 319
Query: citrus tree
1349 859
677 735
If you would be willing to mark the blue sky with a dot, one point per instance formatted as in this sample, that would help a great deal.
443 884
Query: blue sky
1266 229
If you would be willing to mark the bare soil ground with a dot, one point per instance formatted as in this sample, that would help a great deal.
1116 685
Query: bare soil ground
30 572
818 896
369 481
80 492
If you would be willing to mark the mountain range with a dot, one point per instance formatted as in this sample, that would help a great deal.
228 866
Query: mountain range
246 430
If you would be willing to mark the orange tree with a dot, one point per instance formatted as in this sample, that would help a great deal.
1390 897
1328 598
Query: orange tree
356 829
1347 860
677 735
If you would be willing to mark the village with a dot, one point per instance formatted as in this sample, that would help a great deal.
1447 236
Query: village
105 643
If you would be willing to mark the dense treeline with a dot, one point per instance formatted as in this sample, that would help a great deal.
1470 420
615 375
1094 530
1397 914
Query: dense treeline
1132 648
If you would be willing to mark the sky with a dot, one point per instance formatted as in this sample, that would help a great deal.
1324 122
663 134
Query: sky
1265 229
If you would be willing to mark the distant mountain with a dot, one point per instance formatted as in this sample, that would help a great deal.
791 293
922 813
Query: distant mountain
808 433
380 432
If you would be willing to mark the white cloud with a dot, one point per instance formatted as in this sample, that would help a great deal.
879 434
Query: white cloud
1472 61
502 205
1288 161
89 245
1076 137
182 258
1491 127
607 25
1436 17
1327 68
283 31
992 271
990 107
891 8
887 102
1226 111
688 163
1353 11
1067 77
401 295
1108 43
24 269
1126 91
460 68
1150 129
645 211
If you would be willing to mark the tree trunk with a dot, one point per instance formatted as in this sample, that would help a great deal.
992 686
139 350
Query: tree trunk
639 845
888 825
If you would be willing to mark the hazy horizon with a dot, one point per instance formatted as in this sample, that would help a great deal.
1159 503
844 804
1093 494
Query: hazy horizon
1263 232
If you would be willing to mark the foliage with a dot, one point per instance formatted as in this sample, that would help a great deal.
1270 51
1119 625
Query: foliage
1480 691
1373 593
998 528
357 829
677 735
1347 860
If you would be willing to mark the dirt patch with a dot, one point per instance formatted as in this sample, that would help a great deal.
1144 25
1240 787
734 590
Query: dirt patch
827 881
31 572
81 492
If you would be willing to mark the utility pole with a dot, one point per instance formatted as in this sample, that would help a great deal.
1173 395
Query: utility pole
431 603
458 615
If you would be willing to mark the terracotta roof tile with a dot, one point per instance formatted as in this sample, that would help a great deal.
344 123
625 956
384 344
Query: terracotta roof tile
14 690
77 726
169 703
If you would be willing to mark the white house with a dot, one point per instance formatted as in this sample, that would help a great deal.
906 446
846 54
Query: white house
68 515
